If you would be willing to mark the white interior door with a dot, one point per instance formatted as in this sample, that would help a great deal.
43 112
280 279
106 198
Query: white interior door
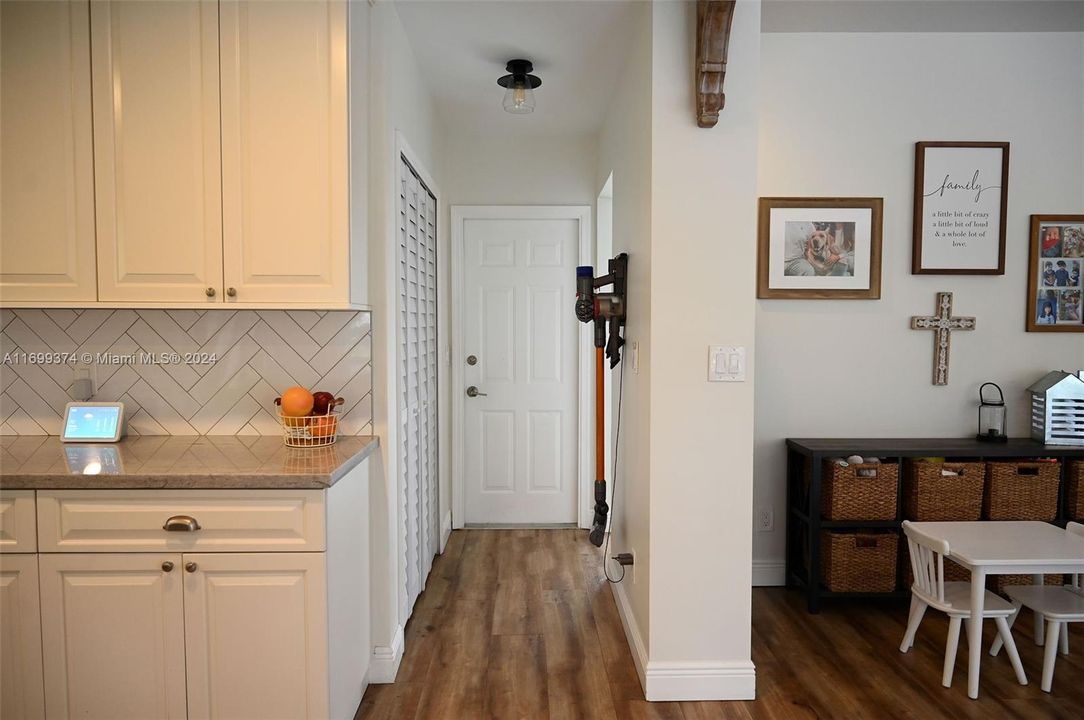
519 431
417 333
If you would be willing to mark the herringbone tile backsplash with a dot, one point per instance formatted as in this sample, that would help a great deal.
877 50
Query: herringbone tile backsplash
183 372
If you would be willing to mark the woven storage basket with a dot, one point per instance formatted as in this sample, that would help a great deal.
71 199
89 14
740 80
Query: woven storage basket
953 571
930 495
1074 493
998 583
1022 491
859 561
846 495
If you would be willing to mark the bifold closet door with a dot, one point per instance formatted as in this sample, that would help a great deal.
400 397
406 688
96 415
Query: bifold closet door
417 334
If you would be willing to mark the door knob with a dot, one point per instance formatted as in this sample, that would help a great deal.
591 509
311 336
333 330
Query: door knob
472 391
210 292
167 566
232 292
191 567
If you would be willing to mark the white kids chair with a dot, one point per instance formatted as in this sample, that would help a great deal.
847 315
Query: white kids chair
1057 606
951 598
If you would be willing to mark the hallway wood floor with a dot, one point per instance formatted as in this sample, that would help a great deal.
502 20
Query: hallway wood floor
521 624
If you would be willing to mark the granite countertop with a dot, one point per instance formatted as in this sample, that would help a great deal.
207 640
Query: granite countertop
181 462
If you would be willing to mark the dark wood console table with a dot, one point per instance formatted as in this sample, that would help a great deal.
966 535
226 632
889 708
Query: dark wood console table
804 522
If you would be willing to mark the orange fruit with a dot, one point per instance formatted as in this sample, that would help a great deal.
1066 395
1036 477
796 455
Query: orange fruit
296 402
323 425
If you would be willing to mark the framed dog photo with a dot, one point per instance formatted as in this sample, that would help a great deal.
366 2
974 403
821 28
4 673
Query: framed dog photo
1055 270
961 193
819 248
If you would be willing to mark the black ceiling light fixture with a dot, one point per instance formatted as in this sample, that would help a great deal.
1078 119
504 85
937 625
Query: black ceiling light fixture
519 87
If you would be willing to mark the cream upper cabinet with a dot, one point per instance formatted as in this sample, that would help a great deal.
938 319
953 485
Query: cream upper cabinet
113 636
256 635
156 150
21 693
284 151
46 160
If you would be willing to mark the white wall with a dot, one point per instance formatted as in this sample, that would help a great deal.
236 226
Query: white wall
840 114
624 149
702 218
400 103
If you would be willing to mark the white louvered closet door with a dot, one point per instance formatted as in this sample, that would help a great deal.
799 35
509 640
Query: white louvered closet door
417 332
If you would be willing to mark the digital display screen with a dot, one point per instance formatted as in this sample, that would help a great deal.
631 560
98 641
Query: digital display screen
92 422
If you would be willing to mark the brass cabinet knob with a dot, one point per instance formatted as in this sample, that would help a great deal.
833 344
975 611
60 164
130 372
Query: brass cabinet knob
191 567
231 291
181 523
210 292
167 566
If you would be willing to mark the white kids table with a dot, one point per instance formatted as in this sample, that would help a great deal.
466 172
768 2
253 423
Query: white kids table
1003 548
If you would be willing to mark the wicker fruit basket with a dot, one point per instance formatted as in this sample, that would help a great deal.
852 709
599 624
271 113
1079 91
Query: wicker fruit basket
1074 493
859 561
929 494
848 494
311 431
999 583
1022 491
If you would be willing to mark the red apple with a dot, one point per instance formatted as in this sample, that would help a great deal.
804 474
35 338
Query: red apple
321 402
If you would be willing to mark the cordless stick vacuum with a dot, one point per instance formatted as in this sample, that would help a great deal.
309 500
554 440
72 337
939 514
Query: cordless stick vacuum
600 308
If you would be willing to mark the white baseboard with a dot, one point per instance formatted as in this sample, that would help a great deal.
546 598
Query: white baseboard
445 531
674 681
769 573
385 661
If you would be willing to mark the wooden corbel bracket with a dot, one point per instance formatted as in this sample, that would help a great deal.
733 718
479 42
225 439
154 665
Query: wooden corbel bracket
712 40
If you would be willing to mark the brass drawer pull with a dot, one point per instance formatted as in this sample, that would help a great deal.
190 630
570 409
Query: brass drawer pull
191 567
181 523
167 566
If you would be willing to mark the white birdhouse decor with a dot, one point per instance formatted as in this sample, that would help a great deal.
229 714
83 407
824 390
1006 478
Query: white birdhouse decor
1057 409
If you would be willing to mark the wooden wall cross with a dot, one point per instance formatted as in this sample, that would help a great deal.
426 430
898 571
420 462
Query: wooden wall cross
712 42
942 324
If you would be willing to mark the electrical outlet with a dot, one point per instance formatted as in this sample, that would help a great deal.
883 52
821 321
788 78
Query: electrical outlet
765 519
635 352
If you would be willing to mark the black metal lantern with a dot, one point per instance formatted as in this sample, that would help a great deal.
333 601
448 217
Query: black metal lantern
519 87
991 416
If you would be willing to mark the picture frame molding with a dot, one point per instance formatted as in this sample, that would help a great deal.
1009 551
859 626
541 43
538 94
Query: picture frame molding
767 204
1034 259
919 202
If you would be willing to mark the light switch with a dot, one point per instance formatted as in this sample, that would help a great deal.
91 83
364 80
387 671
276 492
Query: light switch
726 363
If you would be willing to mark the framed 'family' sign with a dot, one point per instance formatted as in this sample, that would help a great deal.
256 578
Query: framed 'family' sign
961 192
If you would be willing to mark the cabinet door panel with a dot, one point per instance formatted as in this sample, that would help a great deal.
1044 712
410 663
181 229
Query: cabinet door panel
46 161
113 636
157 154
21 693
256 635
284 150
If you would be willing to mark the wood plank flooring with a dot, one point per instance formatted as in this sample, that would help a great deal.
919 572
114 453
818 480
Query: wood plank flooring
522 624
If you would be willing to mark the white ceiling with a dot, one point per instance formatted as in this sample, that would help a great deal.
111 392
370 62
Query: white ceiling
577 48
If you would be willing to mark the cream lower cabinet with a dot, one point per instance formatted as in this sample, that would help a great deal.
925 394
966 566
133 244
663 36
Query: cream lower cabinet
255 629
113 636
21 694
255 606
148 635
